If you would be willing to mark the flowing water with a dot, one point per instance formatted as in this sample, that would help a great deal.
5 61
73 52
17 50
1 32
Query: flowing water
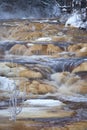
49 110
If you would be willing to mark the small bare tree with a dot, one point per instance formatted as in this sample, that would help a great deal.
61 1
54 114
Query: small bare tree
15 108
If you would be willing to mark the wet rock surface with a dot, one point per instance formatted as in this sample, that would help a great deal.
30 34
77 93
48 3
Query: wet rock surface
47 63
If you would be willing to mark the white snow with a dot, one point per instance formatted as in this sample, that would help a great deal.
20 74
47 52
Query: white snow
6 84
74 21
84 25
43 39
43 102
4 113
30 44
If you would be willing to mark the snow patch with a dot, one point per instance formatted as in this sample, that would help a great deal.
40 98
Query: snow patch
43 39
43 102
6 84
74 21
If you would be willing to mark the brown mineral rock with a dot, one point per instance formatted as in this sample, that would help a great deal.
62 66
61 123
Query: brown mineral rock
37 125
83 44
36 26
30 74
54 128
52 49
81 87
18 49
74 126
35 49
63 38
36 87
74 48
26 35
81 67
77 126
44 49
27 31
81 54
45 88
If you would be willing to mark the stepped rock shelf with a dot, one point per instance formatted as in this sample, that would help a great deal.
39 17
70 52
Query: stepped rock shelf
43 76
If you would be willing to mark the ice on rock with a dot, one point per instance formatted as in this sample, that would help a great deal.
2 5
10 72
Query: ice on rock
43 102
74 21
6 84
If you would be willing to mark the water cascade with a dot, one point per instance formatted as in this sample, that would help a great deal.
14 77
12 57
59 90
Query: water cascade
43 68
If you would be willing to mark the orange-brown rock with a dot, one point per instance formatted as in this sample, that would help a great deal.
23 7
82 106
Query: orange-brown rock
30 74
63 38
74 48
81 87
83 44
23 85
25 30
36 26
81 67
18 49
74 126
52 49
77 126
36 87
45 88
35 49
81 54
44 49
26 35
37 125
